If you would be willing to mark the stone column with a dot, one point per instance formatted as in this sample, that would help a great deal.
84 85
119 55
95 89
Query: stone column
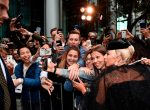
51 15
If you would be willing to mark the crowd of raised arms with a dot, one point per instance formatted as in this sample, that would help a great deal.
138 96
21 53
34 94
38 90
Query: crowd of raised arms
74 72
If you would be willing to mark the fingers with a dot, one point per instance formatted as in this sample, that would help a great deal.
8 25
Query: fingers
48 85
50 90
73 74
80 80
73 71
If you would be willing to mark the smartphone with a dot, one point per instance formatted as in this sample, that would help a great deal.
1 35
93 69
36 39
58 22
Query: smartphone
123 34
19 18
10 45
59 31
44 63
143 25
9 58
88 43
45 52
59 43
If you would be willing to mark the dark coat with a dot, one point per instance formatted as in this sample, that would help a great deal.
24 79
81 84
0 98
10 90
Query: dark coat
11 89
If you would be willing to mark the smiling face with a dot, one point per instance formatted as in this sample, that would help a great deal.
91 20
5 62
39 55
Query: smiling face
98 59
88 61
4 6
74 40
25 55
72 57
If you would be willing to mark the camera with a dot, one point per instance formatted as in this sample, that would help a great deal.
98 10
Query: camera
142 23
45 52
18 20
44 63
11 45
59 43
59 31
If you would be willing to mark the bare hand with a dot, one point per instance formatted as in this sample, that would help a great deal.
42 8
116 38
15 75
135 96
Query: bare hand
73 71
79 86
24 31
86 70
146 61
17 81
12 25
47 84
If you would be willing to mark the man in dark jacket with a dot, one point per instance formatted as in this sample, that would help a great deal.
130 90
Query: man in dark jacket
7 90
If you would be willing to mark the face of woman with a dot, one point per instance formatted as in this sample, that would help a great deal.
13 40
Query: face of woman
25 55
98 59
72 57
110 58
89 62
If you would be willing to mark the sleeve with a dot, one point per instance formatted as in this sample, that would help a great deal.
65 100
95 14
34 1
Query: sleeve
35 81
43 74
101 94
18 73
81 61
82 74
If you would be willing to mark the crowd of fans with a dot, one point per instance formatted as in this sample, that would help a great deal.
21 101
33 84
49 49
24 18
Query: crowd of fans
79 72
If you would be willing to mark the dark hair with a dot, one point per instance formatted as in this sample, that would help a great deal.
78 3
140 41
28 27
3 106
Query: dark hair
53 29
75 31
99 48
18 51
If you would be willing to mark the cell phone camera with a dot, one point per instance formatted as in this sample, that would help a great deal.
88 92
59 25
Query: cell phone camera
44 63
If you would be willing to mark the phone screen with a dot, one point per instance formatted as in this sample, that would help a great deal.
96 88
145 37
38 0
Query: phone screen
123 34
59 43
45 52
9 58
142 25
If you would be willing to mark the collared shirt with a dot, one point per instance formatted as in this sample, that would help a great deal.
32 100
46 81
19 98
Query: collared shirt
3 68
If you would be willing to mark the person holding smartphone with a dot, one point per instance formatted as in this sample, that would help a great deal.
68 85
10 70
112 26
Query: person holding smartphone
59 42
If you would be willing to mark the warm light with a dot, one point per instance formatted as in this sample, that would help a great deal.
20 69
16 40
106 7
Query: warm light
83 17
82 9
89 10
89 18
